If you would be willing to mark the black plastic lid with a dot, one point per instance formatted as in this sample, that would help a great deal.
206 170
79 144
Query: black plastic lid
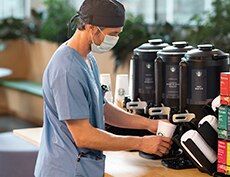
155 41
206 51
177 48
205 47
153 45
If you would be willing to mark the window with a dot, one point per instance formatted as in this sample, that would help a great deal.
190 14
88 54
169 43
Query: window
137 7
180 11
15 8
76 3
172 11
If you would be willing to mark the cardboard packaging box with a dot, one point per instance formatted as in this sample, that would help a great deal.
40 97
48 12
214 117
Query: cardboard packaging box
225 100
225 83
222 152
228 154
224 122
223 118
223 169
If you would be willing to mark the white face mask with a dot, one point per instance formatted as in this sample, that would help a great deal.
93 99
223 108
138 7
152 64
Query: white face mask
108 43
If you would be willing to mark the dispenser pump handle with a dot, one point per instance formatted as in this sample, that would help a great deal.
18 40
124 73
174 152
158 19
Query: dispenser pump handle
180 44
205 47
155 41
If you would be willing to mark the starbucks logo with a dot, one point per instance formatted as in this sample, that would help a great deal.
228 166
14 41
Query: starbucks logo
148 66
160 134
121 92
199 73
173 69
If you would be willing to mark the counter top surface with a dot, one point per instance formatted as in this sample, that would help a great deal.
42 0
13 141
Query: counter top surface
130 164
122 163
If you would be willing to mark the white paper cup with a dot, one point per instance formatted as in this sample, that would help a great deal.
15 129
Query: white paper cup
106 80
121 89
165 129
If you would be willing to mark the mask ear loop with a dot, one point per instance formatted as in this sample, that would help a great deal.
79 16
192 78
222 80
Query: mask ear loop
70 24
92 38
92 35
100 30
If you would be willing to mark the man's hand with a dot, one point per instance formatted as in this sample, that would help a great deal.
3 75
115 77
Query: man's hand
153 125
158 145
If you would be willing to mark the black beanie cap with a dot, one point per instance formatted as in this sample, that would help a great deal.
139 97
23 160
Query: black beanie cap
103 13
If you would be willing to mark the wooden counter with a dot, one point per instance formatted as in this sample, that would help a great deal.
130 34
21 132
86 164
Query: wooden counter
130 164
122 163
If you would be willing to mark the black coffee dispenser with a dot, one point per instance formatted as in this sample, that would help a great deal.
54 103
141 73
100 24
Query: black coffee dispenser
167 74
142 80
142 86
200 77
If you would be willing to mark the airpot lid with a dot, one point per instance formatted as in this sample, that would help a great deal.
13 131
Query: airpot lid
153 45
177 48
205 51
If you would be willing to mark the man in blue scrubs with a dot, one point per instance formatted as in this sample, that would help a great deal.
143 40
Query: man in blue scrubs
74 109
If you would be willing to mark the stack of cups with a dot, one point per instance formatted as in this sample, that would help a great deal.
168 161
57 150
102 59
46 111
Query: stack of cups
121 89
106 80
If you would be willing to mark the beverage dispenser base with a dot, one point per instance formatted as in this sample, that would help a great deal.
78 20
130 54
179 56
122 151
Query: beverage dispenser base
175 160
181 162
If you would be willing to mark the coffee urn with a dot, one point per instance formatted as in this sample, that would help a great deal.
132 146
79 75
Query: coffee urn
167 74
200 78
142 83
142 86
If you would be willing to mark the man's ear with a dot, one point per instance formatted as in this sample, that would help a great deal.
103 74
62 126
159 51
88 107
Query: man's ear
91 28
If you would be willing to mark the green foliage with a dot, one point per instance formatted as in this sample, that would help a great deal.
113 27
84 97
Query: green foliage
212 27
50 25
54 27
167 32
12 28
135 33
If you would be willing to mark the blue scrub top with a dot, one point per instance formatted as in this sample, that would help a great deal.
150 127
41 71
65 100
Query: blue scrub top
72 90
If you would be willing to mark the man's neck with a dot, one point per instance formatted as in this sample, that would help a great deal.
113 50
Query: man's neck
79 42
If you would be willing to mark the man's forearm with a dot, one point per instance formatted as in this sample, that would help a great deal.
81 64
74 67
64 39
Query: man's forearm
118 117
110 142
87 136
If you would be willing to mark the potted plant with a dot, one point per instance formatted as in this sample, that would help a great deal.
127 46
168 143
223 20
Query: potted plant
12 28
